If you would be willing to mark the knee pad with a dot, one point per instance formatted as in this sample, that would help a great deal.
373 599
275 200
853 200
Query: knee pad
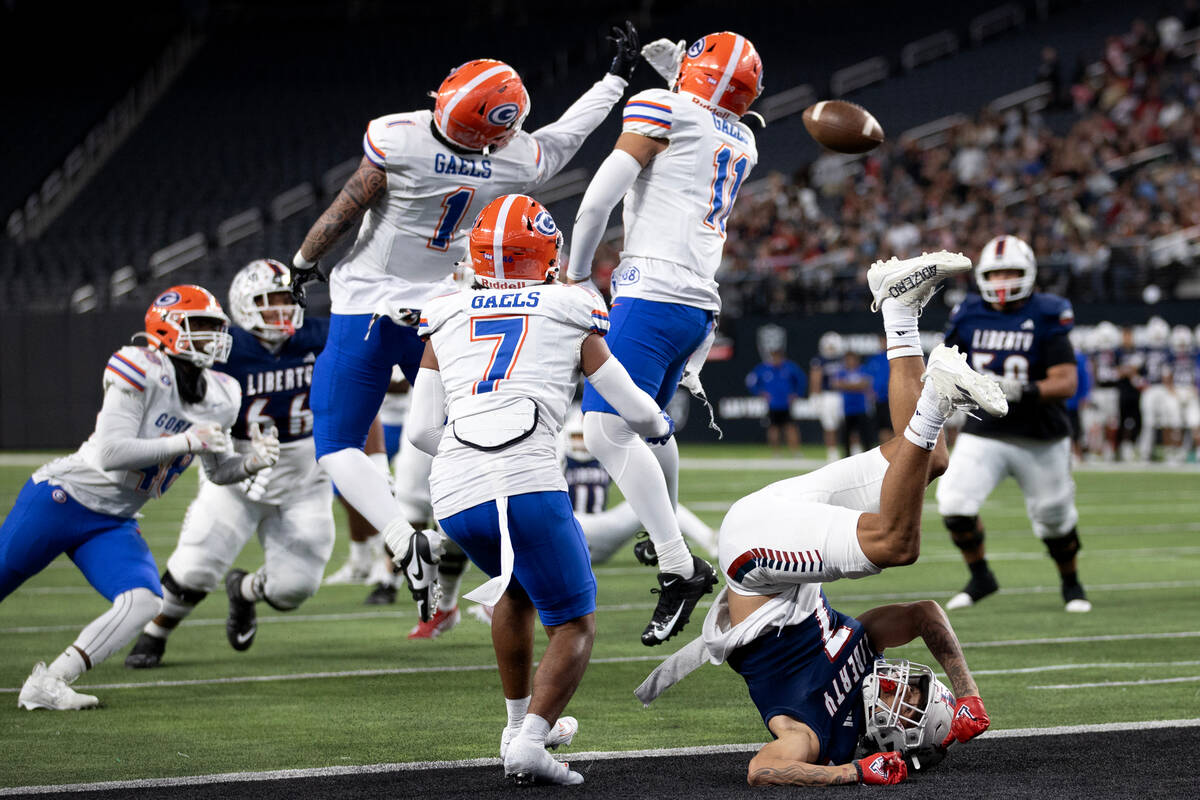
1063 548
190 597
453 562
965 532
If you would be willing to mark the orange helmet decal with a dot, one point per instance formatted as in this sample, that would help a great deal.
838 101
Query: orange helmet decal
481 104
514 243
724 69
168 325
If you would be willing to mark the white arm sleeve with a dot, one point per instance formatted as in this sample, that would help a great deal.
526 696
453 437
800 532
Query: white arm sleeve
635 406
610 183
561 139
117 427
225 468
426 419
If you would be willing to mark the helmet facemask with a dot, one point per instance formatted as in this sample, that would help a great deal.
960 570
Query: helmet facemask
905 706
260 301
203 337
1002 291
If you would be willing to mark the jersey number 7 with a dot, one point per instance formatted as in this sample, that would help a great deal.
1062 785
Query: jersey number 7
508 333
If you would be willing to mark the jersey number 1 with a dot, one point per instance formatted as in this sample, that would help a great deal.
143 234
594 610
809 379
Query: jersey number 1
454 208
508 333
723 194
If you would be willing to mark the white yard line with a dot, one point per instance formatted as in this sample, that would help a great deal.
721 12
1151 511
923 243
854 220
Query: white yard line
412 766
1144 682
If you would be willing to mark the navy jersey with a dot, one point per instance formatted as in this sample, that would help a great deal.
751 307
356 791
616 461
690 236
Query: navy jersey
1020 343
1157 360
587 485
829 368
1106 367
1184 370
275 385
812 672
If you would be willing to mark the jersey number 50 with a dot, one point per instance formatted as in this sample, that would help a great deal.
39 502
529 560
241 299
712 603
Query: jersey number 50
724 191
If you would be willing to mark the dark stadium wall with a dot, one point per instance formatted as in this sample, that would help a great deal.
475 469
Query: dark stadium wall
52 364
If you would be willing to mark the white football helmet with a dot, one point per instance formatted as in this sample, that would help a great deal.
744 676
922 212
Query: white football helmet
831 345
250 295
1158 333
905 706
1105 336
572 436
1181 339
1006 252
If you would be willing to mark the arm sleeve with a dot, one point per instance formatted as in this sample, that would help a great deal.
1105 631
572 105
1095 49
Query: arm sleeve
1059 350
635 406
117 427
426 420
561 139
610 183
225 468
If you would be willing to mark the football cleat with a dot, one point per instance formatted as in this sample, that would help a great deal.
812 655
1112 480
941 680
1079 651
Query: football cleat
913 280
563 733
1076 599
147 652
979 587
384 594
677 597
643 550
529 765
482 613
349 573
242 623
960 387
417 555
439 623
44 690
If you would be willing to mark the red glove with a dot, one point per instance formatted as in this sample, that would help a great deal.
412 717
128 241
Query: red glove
970 720
881 769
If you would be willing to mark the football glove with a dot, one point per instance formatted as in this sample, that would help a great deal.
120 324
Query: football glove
665 56
666 436
264 449
625 42
208 437
881 769
970 720
304 272
1013 389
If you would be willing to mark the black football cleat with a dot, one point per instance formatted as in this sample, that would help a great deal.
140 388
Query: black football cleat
979 587
643 550
147 652
381 595
242 622
677 597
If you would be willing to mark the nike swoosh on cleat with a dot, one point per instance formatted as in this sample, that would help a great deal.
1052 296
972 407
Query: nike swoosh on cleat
247 636
671 582
670 624
420 571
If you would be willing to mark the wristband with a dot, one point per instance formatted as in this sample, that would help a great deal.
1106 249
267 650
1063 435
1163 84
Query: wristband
302 263
1032 392
858 770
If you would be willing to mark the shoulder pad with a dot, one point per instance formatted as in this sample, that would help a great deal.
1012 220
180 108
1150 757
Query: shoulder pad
132 368
436 312
649 113
597 310
385 135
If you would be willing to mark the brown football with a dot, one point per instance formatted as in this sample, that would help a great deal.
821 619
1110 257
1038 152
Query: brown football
842 126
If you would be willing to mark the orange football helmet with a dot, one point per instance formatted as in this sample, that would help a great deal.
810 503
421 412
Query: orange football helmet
514 243
724 69
481 105
171 325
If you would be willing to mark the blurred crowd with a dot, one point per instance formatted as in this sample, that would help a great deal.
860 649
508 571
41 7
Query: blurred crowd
1094 181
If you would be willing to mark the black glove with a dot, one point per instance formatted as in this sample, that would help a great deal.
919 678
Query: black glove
625 42
302 276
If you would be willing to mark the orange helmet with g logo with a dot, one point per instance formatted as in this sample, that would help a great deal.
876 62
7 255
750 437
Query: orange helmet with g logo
724 69
187 321
481 104
514 243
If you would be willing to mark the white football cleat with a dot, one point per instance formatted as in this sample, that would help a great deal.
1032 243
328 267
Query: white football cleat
912 281
527 764
563 733
959 386
44 690
960 600
1079 606
349 573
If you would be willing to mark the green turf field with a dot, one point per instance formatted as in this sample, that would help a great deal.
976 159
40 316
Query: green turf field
337 683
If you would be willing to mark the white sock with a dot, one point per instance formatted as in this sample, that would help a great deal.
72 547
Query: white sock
636 471
448 599
108 633
667 456
927 420
362 485
535 730
900 327
252 586
517 709
174 610
360 553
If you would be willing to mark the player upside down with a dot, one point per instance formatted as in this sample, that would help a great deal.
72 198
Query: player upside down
812 671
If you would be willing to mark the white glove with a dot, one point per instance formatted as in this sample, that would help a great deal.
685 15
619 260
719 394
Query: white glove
1013 389
208 437
665 56
264 449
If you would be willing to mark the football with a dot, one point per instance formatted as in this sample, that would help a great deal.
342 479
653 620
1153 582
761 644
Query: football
842 126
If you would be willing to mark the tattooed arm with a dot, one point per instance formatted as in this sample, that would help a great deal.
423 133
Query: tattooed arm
787 760
894 625
364 186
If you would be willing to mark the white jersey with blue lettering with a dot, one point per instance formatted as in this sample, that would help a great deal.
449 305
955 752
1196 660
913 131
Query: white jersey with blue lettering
148 377
495 346
411 237
675 213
